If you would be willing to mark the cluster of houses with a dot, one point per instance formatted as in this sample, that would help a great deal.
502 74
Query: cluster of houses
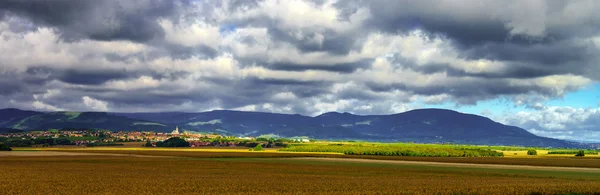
87 137
49 134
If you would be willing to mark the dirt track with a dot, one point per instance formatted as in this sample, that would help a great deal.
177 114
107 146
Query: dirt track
462 165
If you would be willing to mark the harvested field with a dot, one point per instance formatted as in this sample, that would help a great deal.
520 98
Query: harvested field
551 161
461 165
127 175
555 162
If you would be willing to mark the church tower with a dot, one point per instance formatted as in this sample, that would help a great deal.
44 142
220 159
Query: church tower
176 131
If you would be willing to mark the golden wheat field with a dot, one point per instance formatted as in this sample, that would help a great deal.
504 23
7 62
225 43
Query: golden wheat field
177 175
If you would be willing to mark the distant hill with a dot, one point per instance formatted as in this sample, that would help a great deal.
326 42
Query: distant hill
422 126
10 116
28 120
9 130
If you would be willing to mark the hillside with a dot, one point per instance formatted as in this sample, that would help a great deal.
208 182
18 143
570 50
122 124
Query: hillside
27 120
423 125
10 116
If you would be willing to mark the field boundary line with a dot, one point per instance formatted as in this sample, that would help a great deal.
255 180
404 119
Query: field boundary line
459 165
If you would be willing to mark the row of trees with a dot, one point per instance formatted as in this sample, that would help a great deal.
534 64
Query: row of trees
4 147
179 142
42 141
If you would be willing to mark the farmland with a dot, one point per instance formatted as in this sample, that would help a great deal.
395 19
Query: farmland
572 152
133 175
300 168
238 153
427 150
432 150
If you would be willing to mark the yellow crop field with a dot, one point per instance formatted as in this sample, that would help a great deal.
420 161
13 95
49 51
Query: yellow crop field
134 175
542 154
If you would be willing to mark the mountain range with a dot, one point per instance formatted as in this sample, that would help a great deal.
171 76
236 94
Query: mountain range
421 125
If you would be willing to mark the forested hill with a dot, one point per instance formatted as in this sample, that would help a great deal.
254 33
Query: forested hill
422 125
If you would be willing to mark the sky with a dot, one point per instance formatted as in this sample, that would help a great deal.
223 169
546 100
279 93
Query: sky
531 64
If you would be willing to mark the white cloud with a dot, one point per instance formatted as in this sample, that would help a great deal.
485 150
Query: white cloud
284 96
139 83
246 108
191 35
558 122
43 106
94 104
436 99
304 15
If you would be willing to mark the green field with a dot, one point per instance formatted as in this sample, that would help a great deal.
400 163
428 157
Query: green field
592 152
397 149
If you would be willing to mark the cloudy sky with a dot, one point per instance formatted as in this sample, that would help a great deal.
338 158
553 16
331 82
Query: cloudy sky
530 63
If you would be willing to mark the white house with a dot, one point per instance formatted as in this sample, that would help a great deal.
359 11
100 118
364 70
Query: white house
300 139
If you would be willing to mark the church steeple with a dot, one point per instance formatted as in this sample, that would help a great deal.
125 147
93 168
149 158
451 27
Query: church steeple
176 131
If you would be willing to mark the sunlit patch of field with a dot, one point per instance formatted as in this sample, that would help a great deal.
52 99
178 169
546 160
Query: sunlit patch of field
523 153
542 154
128 175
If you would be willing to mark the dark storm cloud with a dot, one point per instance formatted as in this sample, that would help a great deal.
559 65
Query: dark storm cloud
340 67
141 97
467 28
8 86
99 20
79 76
91 77
404 16
184 52
333 43
262 81
468 91
302 89
513 70
549 54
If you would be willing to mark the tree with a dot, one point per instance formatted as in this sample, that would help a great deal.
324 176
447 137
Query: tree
258 148
532 152
148 144
173 142
4 147
580 153
261 139
63 141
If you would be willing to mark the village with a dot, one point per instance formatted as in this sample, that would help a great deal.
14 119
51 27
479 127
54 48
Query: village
109 138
